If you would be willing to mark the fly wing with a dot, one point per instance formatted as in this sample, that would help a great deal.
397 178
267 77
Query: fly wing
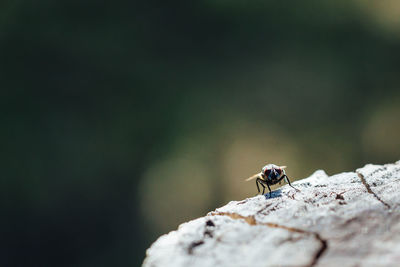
253 177
282 167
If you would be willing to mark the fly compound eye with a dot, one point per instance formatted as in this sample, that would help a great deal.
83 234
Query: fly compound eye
267 172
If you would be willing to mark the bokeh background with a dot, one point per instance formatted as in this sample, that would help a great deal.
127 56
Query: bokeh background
122 119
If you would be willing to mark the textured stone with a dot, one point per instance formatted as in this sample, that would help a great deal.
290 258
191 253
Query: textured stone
348 219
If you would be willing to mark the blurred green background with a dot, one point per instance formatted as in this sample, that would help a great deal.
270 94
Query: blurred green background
122 119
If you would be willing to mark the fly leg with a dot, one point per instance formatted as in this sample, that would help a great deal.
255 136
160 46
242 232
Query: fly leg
258 188
288 181
263 183
260 181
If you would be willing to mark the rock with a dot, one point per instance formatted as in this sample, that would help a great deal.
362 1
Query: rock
348 219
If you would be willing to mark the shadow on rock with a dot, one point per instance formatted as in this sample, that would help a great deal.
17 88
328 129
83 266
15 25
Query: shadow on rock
273 194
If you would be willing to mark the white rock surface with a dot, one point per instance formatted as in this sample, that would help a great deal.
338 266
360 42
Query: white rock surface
348 219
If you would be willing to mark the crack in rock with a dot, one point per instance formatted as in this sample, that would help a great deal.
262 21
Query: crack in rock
369 190
193 245
252 221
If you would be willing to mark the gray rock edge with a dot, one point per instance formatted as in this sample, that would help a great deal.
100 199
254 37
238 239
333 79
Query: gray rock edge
347 219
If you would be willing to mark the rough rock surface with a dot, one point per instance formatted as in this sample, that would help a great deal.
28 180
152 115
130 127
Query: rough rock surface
348 219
